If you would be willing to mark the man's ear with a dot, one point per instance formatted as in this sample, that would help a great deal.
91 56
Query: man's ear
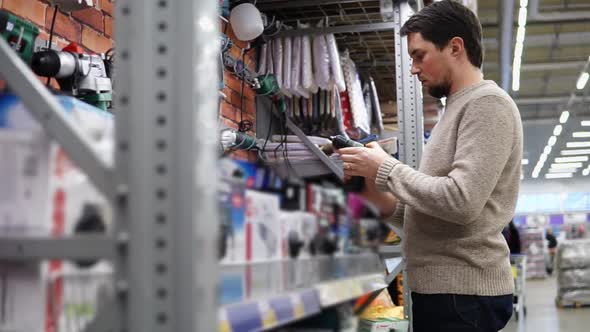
457 46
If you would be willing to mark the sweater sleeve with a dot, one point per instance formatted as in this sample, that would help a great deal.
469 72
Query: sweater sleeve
485 140
397 218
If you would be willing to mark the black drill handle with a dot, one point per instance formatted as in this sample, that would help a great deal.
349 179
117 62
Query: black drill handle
356 183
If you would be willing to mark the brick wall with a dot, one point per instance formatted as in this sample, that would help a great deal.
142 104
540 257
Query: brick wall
230 106
92 29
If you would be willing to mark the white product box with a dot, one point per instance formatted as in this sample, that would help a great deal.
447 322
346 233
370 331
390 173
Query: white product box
263 227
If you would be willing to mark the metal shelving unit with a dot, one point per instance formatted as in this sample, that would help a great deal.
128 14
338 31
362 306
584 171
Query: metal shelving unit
164 246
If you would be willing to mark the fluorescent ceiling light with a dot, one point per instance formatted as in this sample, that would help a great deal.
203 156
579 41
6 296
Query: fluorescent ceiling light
585 123
578 144
581 134
542 158
575 152
557 130
521 176
520 33
558 175
571 159
522 17
562 170
524 3
582 80
586 172
525 162
552 141
564 116
566 165
547 150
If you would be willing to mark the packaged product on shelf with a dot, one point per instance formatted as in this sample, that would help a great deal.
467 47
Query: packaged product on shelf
263 228
232 212
51 196
232 284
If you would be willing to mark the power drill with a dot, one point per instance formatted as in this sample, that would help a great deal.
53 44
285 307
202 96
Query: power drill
356 183
19 34
84 76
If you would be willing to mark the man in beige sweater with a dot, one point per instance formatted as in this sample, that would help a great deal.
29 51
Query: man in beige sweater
452 209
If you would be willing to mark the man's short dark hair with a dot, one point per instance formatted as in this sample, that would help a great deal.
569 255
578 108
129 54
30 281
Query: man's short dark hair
442 21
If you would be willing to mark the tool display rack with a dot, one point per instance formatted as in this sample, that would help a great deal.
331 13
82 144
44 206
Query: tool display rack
160 185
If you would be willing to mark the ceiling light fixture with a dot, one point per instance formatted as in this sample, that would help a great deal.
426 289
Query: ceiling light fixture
586 172
552 141
581 134
571 159
575 152
564 116
525 162
558 175
582 80
562 170
519 46
578 144
557 130
566 165
547 150
585 123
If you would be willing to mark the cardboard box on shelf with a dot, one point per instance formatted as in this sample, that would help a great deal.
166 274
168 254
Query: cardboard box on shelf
263 228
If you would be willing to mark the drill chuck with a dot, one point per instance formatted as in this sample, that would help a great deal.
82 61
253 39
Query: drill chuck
53 64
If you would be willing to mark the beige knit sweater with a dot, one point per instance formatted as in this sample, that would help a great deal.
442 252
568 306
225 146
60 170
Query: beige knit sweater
454 208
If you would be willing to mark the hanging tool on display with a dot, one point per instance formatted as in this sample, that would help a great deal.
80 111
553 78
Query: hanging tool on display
356 183
19 34
84 76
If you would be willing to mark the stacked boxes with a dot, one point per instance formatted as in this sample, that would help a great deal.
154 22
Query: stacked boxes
573 272
533 246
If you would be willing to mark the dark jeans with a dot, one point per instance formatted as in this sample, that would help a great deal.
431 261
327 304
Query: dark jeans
456 313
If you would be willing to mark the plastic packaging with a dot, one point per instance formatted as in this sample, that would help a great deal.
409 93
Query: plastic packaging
307 66
262 59
355 94
287 57
378 118
297 69
270 58
278 61
336 75
321 62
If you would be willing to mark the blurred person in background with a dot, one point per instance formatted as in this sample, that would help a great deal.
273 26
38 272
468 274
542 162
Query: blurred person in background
512 236
552 245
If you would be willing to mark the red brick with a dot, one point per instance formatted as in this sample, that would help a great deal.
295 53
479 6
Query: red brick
235 99
232 82
64 25
91 17
108 26
229 123
2 83
249 93
61 43
240 155
94 41
107 6
250 107
228 111
252 156
30 9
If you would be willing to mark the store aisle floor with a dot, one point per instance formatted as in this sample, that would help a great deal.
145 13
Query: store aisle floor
544 316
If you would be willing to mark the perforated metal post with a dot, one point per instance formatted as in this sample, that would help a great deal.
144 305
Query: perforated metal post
165 111
409 94
410 115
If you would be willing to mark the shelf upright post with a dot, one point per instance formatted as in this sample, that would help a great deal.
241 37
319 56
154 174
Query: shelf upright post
409 94
166 267
409 108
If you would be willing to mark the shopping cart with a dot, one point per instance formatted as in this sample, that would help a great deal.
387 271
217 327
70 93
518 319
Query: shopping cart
518 263
75 297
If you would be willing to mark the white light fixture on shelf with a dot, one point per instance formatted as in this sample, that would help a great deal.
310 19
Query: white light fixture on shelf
246 21
581 134
585 123
582 80
558 175
571 159
562 170
564 116
552 141
575 152
547 150
578 144
557 130
566 165
525 162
